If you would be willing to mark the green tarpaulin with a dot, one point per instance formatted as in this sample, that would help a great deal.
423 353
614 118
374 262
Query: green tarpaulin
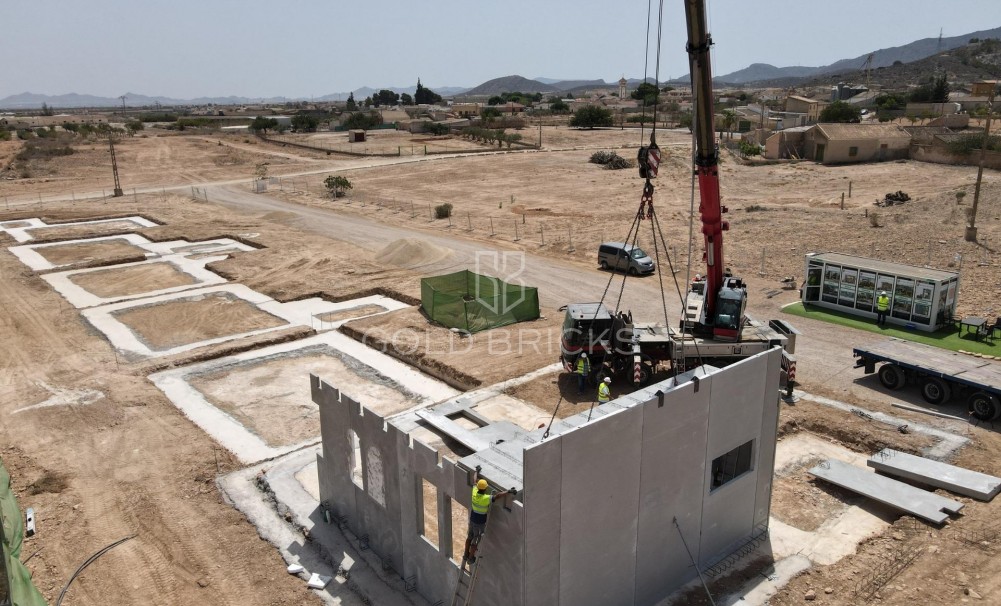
474 302
16 587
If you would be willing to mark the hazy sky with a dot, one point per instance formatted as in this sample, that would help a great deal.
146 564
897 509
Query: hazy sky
189 48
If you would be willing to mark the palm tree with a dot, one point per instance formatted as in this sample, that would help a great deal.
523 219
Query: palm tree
729 118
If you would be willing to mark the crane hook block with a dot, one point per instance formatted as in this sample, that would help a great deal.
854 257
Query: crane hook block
648 160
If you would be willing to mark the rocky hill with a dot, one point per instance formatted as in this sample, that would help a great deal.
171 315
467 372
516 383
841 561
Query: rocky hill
510 84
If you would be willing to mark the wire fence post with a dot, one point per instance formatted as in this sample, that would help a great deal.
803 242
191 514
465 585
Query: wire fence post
469 223
570 239
849 189
491 226
762 271
450 219
516 238
842 200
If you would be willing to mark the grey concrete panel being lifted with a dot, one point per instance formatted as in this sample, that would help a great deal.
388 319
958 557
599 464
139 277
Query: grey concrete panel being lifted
452 429
934 473
921 503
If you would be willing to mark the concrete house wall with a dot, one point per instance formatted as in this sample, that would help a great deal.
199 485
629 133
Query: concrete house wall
387 508
873 143
652 458
595 523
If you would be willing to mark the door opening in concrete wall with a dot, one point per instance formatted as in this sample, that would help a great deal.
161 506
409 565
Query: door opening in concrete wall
429 512
355 462
460 527
731 465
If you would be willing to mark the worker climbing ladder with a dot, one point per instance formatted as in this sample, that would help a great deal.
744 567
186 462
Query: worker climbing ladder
466 583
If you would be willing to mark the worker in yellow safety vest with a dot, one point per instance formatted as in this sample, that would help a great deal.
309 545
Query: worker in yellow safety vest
480 501
582 369
604 393
882 306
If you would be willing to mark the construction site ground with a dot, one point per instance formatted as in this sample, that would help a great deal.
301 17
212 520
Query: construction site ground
101 453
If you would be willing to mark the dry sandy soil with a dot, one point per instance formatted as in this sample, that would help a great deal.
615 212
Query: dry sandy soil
134 280
112 457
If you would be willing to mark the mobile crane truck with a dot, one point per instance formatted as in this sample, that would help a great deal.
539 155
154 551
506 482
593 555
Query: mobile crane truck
714 328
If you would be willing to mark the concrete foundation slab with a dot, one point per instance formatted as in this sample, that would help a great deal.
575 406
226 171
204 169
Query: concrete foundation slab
935 473
248 443
25 230
920 503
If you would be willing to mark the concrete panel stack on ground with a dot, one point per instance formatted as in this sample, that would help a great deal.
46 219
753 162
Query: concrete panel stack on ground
921 503
612 485
935 473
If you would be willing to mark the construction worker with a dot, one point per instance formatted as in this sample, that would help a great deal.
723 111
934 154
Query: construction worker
582 369
604 392
882 306
480 501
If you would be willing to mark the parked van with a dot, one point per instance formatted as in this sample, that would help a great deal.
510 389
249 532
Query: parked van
624 257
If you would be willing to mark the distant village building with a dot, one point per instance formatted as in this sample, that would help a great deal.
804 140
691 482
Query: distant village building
466 110
803 105
983 88
622 87
846 143
844 92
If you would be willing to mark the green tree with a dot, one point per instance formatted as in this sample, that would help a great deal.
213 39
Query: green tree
337 185
645 92
351 105
685 120
934 91
437 129
304 123
367 102
425 96
134 126
489 113
46 110
839 111
406 99
591 116
557 106
261 124
385 97
495 100
363 120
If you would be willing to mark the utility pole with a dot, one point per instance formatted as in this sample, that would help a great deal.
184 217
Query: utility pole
971 230
114 166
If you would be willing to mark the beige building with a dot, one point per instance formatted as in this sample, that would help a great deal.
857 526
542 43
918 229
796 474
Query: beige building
846 143
982 88
803 105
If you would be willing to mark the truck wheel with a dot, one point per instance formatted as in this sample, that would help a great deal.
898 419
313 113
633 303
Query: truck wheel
891 376
935 391
984 406
604 265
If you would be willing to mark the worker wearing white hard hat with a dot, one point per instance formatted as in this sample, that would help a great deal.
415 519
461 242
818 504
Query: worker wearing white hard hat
882 307
582 369
604 392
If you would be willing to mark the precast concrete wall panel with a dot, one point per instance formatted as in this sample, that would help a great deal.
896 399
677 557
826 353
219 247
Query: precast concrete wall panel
336 487
735 410
600 499
500 581
769 433
671 485
543 512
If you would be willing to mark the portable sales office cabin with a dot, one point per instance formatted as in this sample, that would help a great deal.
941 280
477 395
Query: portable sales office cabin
920 297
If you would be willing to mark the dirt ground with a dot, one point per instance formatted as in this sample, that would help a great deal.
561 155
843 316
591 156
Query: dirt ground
88 253
70 232
192 319
127 462
134 280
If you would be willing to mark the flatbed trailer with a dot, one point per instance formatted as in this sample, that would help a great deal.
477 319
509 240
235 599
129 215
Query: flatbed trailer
940 374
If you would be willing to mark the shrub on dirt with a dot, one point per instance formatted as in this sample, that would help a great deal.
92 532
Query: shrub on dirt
874 219
617 163
443 211
43 149
602 157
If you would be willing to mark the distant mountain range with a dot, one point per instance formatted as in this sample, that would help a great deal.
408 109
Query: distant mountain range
883 57
759 73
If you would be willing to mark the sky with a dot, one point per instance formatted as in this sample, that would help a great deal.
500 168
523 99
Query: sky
305 48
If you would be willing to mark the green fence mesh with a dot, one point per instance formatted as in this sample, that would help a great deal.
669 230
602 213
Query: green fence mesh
474 302
16 587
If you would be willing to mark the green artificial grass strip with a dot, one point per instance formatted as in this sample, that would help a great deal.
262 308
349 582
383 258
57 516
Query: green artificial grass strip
946 338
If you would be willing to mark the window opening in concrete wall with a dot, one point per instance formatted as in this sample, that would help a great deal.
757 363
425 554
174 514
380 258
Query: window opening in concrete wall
731 465
355 459
429 512
374 477
460 526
